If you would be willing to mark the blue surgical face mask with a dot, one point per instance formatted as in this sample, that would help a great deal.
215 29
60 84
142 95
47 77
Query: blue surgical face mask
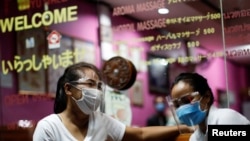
160 107
191 114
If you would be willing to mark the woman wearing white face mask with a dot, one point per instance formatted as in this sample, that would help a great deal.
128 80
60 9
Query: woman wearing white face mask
78 116
193 100
91 98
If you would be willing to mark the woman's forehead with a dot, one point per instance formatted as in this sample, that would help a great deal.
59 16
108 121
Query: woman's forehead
180 89
88 74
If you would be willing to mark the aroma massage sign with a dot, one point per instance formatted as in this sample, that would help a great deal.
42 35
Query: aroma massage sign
165 22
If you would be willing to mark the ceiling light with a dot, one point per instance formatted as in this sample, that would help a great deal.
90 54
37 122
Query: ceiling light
163 11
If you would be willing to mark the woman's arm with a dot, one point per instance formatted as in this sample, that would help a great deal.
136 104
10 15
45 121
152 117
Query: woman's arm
153 133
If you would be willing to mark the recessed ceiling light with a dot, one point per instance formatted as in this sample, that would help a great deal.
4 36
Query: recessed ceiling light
163 11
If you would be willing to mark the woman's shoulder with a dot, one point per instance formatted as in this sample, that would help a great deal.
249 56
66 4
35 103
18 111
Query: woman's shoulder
228 116
228 112
49 119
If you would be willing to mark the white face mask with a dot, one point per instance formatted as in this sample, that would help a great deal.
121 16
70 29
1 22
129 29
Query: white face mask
91 99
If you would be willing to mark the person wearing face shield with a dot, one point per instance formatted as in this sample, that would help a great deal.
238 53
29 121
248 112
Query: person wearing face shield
192 99
159 118
79 116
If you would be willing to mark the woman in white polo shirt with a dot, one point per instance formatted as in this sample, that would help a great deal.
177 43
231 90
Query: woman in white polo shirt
79 96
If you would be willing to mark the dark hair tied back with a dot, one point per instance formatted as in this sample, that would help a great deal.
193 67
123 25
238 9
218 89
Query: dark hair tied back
71 73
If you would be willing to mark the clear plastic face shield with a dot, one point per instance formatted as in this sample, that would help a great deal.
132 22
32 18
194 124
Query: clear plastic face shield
186 109
93 93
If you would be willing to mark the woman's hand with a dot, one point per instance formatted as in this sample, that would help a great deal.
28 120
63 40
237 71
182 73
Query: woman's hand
186 129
